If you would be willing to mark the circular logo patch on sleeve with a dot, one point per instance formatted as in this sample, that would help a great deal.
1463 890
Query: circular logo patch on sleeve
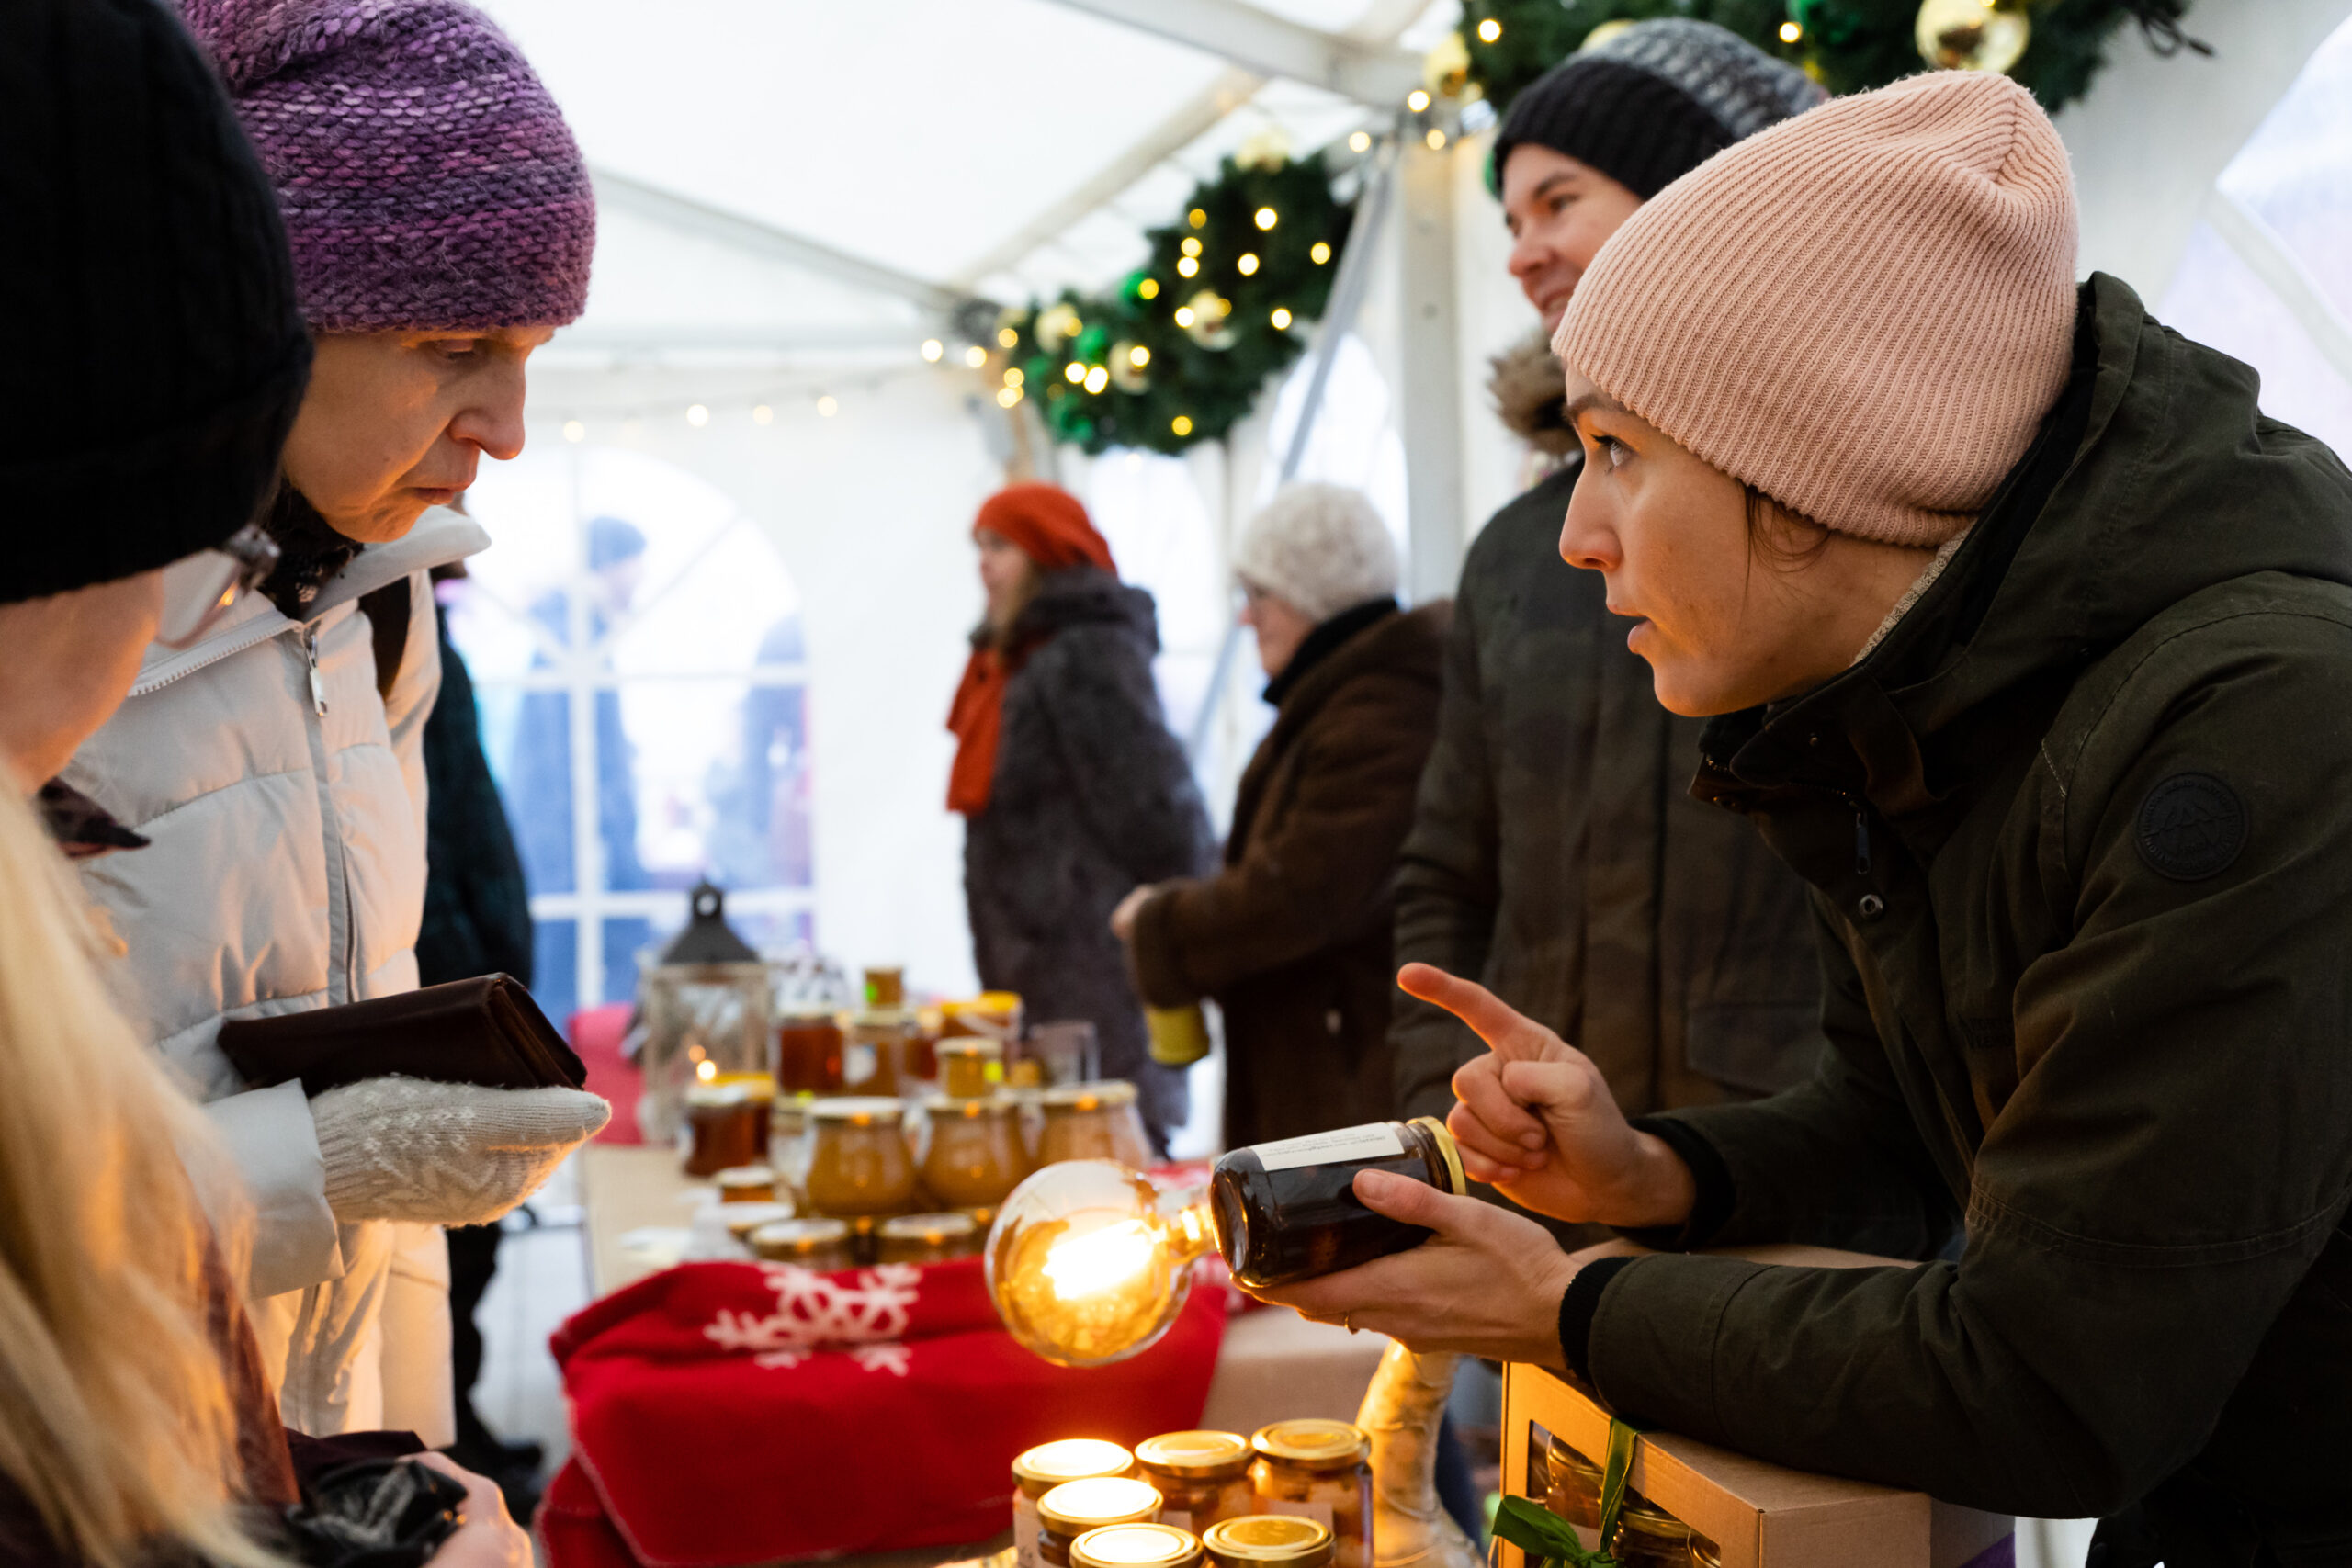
2190 827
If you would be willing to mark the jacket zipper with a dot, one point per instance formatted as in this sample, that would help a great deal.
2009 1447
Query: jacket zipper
318 681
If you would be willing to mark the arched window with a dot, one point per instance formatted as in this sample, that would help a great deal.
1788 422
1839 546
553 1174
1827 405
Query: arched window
636 648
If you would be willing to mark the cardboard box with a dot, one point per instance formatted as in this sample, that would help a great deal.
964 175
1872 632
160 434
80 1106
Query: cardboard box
1760 1515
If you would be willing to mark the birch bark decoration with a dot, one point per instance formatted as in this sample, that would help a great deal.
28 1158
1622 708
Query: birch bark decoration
1400 1413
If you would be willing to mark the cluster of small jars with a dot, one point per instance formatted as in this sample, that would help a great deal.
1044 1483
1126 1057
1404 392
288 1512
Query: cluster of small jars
1647 1536
1298 1494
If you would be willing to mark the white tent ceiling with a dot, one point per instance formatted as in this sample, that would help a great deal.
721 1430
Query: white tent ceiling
781 179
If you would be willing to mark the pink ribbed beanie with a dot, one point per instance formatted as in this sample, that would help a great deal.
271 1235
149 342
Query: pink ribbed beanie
1863 312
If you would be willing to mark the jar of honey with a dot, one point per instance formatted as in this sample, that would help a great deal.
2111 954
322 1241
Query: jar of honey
1203 1477
976 1157
1038 1470
1269 1541
1136 1546
926 1238
859 1163
1074 1507
875 1048
1572 1488
808 1051
970 1067
1322 1470
746 1184
820 1244
742 1218
1649 1537
1287 1211
726 1126
1093 1121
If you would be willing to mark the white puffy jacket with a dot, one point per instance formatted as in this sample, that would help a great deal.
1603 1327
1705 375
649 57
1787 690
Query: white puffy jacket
285 803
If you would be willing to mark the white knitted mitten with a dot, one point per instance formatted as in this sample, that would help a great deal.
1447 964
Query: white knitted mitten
444 1154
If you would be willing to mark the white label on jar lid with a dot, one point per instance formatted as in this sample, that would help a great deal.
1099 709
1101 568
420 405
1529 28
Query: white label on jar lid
1320 1512
1025 1530
1379 1141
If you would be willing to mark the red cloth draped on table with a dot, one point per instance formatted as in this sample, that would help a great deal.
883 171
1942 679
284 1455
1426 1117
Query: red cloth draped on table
733 1412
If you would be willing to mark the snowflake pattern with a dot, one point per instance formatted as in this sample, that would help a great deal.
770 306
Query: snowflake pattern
812 1313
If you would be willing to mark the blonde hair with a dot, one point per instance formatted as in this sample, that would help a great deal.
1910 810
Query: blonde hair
115 1419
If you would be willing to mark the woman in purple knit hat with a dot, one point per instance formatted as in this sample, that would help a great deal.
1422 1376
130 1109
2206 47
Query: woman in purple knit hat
441 223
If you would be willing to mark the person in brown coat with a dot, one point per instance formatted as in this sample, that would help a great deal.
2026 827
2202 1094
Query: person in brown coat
1293 936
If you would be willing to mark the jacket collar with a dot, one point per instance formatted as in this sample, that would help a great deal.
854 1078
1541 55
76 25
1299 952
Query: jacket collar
441 535
1325 640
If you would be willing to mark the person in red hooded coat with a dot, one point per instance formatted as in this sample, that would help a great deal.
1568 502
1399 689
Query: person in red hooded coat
1071 788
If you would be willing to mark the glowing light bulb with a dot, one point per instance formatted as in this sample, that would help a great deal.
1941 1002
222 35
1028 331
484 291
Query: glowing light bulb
1191 247
1013 376
975 357
1074 372
1089 1262
1268 218
1360 142
1183 315
1489 30
1791 32
1281 318
932 349
1182 424
1248 264
828 406
1007 338
705 1070
1148 289
574 431
763 415
1197 219
1320 254
1417 100
1081 1265
1008 396
1187 266
698 415
1097 379
1436 139
1139 356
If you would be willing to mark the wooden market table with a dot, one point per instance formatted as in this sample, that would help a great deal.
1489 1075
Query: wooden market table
1273 1365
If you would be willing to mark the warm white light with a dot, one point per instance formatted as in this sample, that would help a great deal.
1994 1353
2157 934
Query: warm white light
932 349
1097 379
1074 372
1008 396
828 406
975 357
1139 356
763 415
1006 337
1013 376
1490 30
1791 32
1100 1260
698 415
1320 254
706 1069
1191 247
1437 139
1360 142
1187 266
1417 100
1183 315
1282 318
1267 217
1148 289
1248 264
574 431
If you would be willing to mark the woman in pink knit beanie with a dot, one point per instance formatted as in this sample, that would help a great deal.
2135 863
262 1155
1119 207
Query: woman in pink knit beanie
2031 637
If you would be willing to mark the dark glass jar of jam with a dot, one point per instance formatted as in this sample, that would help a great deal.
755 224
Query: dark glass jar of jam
1287 1211
808 1051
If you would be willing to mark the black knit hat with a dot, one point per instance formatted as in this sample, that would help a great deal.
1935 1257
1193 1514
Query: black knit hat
1654 102
157 354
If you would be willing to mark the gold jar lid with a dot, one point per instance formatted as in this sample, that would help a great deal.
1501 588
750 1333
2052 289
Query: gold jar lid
1651 1523
1197 1455
1447 1151
1315 1443
1270 1538
1077 1506
1560 1456
744 1176
1098 1095
716 1096
742 1218
986 1046
858 1110
787 1239
1070 1459
1134 1546
935 1230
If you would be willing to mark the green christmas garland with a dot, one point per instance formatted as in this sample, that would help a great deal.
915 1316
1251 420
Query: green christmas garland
1848 46
1179 352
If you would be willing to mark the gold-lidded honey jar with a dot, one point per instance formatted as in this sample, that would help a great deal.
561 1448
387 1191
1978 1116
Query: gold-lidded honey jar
1203 1477
970 1066
820 1244
1093 1121
859 1164
976 1157
746 1184
1269 1541
1319 1470
1649 1537
1136 1546
1038 1470
926 1238
1074 1507
1572 1488
742 1218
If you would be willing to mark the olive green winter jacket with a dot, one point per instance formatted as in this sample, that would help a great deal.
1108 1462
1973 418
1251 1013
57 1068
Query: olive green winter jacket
2080 836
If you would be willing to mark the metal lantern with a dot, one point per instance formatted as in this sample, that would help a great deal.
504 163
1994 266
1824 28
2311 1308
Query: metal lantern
704 1014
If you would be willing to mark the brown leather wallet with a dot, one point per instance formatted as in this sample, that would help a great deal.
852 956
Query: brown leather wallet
487 1032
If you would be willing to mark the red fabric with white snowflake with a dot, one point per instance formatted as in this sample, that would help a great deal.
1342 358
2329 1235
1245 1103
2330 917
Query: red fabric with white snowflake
733 1412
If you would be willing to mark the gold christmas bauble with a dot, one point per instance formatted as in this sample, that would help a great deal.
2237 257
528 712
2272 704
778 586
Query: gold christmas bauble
1973 35
1445 71
1212 322
1057 324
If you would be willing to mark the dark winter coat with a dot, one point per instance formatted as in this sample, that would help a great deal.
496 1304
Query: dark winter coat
1556 858
1092 797
477 909
2089 988
1293 936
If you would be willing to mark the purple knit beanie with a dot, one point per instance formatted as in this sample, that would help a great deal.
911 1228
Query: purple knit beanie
427 178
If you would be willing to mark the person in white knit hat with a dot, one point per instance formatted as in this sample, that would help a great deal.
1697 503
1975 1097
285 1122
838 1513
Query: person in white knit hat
1292 935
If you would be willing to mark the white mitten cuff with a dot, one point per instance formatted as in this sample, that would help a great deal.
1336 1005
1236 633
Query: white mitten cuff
444 1154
